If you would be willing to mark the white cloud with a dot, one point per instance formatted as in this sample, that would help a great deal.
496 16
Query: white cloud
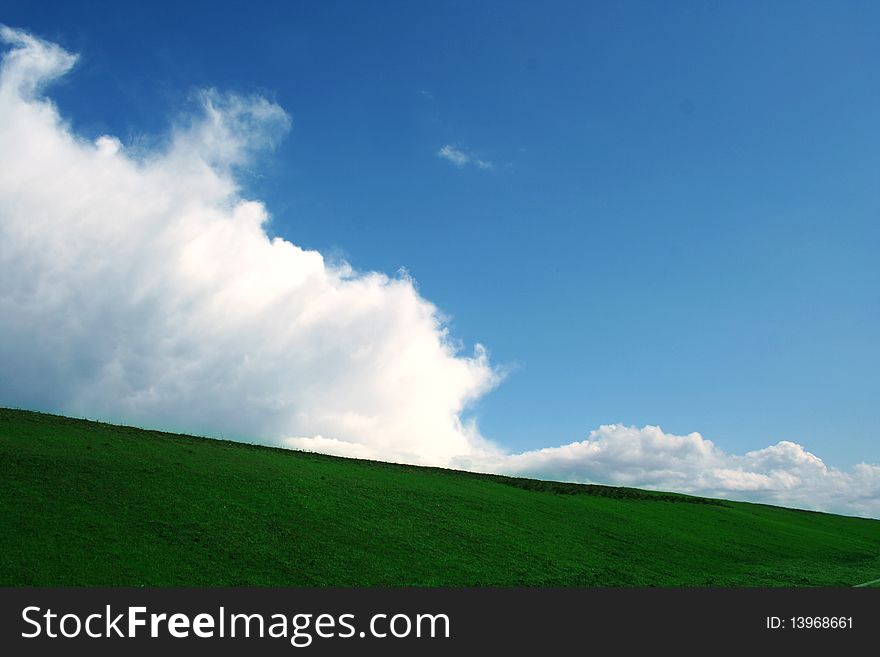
144 288
460 158
784 474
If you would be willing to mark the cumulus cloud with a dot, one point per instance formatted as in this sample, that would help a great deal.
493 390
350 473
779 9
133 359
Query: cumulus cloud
784 474
143 287
461 158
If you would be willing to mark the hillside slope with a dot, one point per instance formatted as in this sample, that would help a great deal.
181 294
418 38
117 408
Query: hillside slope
83 503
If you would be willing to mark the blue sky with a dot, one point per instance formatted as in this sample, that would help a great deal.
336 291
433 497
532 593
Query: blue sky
678 226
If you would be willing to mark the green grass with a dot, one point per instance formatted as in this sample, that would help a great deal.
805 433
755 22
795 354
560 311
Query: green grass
83 503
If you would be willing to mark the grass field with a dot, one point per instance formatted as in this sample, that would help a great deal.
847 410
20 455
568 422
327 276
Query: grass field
83 503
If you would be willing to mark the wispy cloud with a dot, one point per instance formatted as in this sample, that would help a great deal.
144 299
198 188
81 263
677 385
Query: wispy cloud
462 158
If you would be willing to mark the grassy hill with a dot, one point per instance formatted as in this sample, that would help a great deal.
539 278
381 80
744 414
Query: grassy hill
83 503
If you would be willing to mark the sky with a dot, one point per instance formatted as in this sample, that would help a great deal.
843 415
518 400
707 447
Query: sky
615 242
